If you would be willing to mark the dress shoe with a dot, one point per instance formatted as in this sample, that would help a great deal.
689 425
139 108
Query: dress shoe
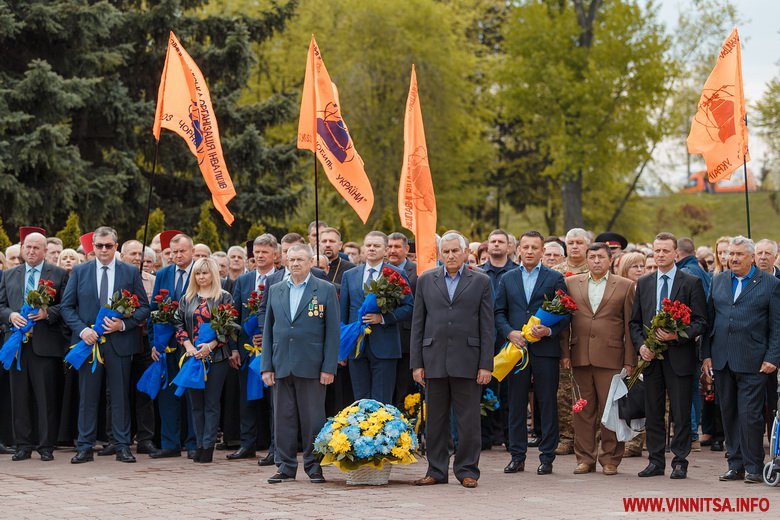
22 454
268 460
82 457
533 441
583 468
651 471
317 478
753 478
679 472
242 453
206 455
515 466
716 446
191 454
223 446
124 455
280 477
609 469
145 447
696 446
545 468
5 450
47 455
732 474
469 482
165 454
427 480
196 455
107 450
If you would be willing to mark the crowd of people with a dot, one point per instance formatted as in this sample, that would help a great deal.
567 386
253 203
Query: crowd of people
717 382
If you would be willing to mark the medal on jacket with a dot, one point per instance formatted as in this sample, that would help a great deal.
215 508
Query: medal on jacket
316 309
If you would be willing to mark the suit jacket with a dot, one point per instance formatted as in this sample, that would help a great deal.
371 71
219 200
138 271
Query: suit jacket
184 320
338 267
301 345
601 339
686 288
165 279
452 338
385 339
513 311
242 291
80 304
48 338
410 269
746 332
276 277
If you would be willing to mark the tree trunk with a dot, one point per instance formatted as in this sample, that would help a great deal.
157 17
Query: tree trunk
572 203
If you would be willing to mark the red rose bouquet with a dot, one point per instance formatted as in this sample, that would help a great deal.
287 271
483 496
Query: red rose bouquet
389 289
550 313
37 299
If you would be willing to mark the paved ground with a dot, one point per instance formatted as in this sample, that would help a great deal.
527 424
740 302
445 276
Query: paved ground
177 488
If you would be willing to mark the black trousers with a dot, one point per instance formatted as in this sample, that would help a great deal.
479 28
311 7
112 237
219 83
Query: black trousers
141 404
231 408
206 405
462 397
742 399
34 399
249 410
660 379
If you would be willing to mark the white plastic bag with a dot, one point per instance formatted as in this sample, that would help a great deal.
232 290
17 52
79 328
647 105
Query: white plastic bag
611 418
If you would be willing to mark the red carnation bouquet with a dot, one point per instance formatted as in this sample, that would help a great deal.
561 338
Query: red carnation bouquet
389 289
673 317
166 307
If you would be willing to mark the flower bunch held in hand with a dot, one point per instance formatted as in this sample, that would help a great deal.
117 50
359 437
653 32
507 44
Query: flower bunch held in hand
124 302
576 395
389 289
42 296
561 303
166 308
223 322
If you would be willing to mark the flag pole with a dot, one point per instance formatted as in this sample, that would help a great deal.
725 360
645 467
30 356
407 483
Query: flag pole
747 199
149 202
316 210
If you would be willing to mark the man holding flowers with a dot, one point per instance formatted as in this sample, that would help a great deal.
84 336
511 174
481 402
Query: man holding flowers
673 370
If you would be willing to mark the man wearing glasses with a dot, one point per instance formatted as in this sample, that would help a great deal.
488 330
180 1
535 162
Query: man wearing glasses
90 287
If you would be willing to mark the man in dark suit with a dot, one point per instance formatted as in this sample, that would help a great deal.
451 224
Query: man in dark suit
263 251
674 373
520 294
35 388
174 278
397 250
373 371
300 356
90 287
451 355
742 347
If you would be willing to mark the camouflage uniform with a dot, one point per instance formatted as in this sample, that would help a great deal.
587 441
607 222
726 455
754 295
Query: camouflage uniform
566 442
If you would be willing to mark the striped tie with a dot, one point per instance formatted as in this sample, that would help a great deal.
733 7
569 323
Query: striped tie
30 286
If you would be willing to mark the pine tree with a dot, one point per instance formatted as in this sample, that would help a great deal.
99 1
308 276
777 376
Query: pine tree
255 231
156 225
71 233
5 242
206 230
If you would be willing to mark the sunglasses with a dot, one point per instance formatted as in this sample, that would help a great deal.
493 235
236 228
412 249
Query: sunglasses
104 246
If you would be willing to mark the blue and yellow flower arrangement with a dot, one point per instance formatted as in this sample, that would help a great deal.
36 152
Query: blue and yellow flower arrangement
366 433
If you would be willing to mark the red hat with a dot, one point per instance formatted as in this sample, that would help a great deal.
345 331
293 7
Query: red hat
27 230
250 248
86 242
166 236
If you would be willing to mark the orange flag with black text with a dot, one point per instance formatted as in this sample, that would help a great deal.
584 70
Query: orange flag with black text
184 106
416 200
322 130
719 128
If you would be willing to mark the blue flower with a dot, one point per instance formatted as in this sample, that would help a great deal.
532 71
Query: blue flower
384 444
364 447
369 405
394 428
352 432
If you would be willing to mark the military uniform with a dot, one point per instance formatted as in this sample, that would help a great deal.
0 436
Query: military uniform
566 442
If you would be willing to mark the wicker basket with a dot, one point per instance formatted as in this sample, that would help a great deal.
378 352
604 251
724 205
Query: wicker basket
369 476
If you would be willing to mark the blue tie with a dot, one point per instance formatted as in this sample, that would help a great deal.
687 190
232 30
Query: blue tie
30 286
371 273
179 284
664 290
103 294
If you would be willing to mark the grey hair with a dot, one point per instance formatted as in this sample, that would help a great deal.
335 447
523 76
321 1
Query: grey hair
266 239
578 232
770 242
149 252
234 249
301 248
105 231
555 244
453 236
739 240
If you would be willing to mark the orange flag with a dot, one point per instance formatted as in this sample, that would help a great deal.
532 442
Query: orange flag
719 128
416 200
184 106
321 119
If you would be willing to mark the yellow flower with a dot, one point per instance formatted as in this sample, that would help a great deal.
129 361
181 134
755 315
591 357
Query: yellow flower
338 422
381 416
373 430
364 425
400 452
411 401
351 410
340 443
406 441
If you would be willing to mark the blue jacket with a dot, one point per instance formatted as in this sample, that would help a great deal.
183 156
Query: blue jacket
690 265
165 279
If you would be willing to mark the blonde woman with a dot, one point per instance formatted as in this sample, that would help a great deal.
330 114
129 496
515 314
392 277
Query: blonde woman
68 259
632 266
722 254
204 294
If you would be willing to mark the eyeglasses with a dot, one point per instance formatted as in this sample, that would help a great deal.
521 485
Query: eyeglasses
710 262
104 246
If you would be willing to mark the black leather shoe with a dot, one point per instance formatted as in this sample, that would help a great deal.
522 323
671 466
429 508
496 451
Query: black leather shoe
124 455
46 455
679 472
242 453
317 478
164 454
5 450
732 474
753 478
533 442
268 460
515 466
22 454
717 446
145 447
206 455
280 477
651 471
545 468
197 455
82 457
191 454
107 450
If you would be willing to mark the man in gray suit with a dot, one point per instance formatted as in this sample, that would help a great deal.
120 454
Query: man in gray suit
300 357
742 347
451 354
